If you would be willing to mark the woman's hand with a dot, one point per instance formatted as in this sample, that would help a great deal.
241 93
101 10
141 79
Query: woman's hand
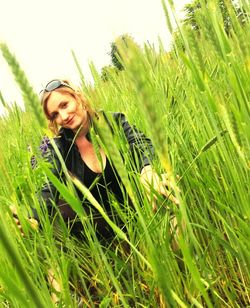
32 222
157 184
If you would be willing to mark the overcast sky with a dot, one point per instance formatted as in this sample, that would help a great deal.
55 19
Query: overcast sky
42 33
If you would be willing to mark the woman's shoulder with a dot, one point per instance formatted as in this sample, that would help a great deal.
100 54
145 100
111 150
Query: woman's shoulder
111 115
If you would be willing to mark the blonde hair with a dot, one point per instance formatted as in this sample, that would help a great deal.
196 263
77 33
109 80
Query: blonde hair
71 90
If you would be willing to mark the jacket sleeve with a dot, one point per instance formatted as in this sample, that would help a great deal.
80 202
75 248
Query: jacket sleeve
48 192
140 145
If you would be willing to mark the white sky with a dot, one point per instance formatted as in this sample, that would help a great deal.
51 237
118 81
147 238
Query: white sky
42 33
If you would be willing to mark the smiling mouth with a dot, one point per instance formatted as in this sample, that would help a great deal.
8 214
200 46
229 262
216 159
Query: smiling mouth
70 121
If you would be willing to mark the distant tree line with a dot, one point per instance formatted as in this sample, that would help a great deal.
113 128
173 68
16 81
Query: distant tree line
192 13
192 20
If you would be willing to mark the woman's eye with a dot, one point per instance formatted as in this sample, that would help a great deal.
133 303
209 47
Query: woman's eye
64 105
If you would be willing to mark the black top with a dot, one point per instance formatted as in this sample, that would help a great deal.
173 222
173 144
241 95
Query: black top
107 185
104 185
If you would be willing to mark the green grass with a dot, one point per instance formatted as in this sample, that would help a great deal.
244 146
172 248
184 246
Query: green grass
194 104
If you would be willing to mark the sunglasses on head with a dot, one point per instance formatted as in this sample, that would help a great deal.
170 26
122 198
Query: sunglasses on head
55 84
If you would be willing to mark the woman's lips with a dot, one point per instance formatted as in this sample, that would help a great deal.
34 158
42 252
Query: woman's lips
70 121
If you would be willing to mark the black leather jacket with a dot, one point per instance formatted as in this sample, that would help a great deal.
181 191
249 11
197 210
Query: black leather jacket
138 145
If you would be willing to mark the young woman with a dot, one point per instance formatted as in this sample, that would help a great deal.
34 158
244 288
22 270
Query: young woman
70 117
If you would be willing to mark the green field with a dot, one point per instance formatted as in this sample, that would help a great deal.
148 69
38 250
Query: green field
193 102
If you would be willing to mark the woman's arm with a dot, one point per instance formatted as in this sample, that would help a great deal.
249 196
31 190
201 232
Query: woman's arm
144 149
140 145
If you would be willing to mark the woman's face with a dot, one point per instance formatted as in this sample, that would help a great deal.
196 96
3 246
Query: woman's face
64 110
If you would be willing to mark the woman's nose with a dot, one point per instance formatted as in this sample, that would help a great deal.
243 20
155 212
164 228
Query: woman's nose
64 115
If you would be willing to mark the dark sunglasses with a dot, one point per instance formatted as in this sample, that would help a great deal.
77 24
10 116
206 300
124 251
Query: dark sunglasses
55 84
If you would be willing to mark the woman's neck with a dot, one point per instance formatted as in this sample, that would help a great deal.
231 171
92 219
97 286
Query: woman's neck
82 141
81 133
